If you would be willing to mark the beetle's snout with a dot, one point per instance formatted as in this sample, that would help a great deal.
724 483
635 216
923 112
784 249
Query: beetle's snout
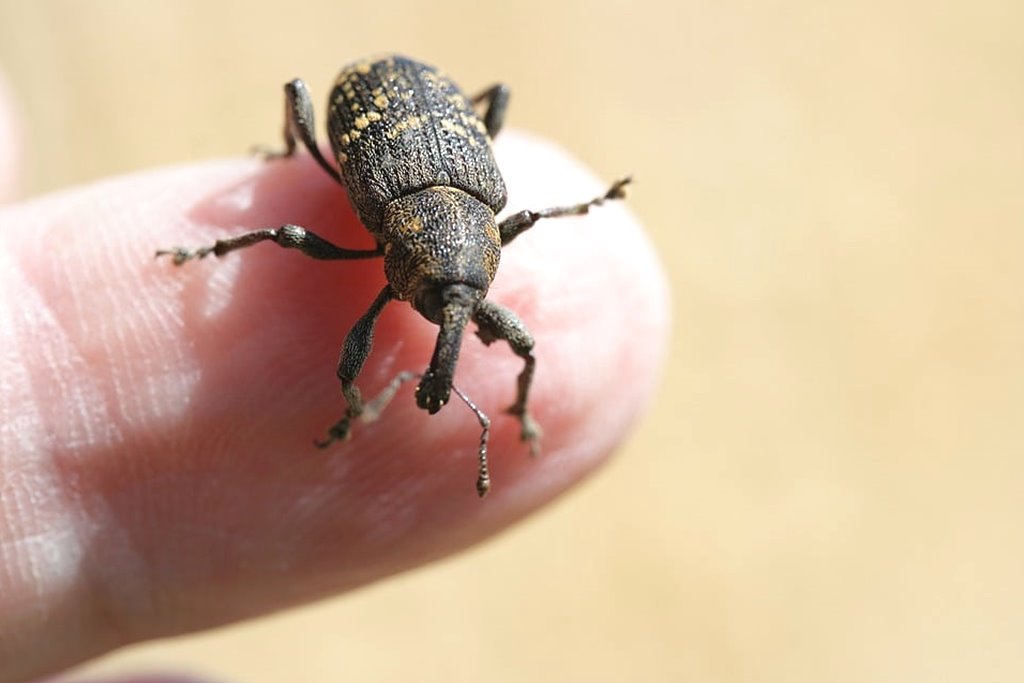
450 306
437 302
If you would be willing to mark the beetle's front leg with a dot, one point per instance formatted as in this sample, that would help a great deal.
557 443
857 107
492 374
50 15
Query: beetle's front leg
518 223
299 123
353 356
287 236
497 322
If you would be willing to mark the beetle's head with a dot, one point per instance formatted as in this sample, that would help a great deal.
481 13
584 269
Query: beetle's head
436 239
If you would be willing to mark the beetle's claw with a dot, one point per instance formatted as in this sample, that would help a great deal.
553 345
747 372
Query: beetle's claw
530 432
616 191
338 432
180 255
269 153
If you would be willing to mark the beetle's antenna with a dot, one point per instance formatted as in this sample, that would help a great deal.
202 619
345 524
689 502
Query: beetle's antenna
483 479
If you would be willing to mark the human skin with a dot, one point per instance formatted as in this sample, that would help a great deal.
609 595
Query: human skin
157 472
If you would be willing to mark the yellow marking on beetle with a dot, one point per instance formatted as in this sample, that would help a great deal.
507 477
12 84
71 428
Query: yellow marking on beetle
406 123
472 121
362 122
363 67
491 230
413 226
453 127
381 101
373 116
342 157
345 139
355 106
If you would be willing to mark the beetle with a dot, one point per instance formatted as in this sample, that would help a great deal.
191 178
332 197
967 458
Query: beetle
415 159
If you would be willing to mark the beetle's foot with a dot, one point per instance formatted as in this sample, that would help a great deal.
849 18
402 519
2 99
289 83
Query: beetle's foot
616 191
338 432
432 393
530 432
180 254
270 153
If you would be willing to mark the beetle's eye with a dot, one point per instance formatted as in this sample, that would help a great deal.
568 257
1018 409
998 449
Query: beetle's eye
430 303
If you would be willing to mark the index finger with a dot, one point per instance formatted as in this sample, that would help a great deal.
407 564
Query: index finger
161 419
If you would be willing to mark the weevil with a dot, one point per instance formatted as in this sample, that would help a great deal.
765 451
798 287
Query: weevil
415 157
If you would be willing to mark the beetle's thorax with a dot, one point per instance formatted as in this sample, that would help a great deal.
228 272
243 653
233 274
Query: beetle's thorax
438 237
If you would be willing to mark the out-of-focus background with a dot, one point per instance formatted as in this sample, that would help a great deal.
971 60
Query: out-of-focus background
830 484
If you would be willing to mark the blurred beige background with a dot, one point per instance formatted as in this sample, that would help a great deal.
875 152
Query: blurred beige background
830 483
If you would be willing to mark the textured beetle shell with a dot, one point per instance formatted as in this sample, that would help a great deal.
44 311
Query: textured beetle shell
436 236
398 126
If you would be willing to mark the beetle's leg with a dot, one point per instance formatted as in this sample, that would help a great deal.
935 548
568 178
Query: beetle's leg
497 103
497 322
298 123
518 223
353 355
287 236
372 409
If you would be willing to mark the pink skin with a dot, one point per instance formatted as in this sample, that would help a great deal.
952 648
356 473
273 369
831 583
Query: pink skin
157 472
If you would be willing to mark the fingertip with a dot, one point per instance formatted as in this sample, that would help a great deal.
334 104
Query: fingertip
211 379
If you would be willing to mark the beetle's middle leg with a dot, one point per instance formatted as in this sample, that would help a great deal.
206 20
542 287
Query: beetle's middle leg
298 123
518 223
287 236
496 322
353 356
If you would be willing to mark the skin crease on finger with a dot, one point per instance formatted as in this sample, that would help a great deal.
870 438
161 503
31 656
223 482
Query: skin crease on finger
156 423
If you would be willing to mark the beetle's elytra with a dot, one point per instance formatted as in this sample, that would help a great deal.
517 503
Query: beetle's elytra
415 158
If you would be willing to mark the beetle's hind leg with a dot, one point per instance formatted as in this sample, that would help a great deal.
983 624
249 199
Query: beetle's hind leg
298 123
496 322
496 98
